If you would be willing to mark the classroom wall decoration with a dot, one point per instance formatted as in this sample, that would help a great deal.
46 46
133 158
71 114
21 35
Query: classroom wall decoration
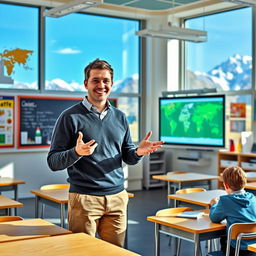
6 121
37 116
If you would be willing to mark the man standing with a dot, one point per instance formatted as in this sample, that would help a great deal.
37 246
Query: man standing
91 139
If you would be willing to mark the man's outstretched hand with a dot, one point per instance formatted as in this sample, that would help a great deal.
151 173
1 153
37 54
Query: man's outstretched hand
146 147
84 149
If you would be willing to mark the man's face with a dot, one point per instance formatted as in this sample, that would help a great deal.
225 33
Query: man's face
99 85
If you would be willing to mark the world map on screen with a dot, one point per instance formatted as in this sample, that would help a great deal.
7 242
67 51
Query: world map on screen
192 119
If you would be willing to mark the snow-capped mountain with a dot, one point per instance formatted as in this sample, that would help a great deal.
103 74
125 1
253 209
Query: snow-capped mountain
233 74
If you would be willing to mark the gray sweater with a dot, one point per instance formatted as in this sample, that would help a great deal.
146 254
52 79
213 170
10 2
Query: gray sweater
100 173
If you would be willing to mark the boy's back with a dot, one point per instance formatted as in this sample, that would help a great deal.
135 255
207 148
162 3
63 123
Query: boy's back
238 206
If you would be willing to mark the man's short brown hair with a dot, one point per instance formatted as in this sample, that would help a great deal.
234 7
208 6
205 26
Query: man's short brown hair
98 64
235 177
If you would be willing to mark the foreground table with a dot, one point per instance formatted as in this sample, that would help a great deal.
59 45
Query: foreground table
9 184
198 198
251 185
72 244
28 229
7 204
194 230
185 177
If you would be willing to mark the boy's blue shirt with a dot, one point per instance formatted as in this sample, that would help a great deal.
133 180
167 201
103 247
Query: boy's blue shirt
235 208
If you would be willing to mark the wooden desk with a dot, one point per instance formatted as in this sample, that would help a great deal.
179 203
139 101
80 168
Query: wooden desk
198 198
7 203
252 247
251 185
194 230
58 198
8 184
27 229
185 177
73 244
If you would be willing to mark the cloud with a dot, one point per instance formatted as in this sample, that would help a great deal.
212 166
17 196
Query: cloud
68 51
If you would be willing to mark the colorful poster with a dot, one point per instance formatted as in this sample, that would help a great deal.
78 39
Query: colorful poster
238 110
6 121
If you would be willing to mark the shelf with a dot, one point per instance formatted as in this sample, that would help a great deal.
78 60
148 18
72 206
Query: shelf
196 162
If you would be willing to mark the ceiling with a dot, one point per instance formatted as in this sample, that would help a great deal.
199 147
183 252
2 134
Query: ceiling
151 5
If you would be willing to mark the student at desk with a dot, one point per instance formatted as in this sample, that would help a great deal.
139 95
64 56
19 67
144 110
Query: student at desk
236 207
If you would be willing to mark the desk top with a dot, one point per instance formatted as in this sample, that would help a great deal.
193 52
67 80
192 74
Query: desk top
73 244
251 185
252 247
27 229
197 226
6 202
6 181
57 195
199 198
186 177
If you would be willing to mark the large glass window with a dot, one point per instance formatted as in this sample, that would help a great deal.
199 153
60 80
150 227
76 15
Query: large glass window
225 60
18 47
74 40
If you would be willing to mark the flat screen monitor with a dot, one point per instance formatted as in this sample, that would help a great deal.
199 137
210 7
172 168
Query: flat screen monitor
193 121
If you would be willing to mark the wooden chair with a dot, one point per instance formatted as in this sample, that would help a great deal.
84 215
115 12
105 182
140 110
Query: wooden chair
237 231
10 218
48 187
168 212
54 186
189 190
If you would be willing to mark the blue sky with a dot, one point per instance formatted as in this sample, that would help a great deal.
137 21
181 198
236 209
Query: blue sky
72 42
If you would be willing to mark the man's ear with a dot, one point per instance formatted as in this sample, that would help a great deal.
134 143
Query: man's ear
85 84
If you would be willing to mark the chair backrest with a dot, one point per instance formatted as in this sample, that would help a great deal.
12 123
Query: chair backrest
190 190
172 211
10 218
54 186
238 231
177 172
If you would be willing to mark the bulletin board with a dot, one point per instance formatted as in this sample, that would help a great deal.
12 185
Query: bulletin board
6 121
37 116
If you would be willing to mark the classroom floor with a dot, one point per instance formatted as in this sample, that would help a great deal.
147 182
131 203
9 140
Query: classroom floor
140 231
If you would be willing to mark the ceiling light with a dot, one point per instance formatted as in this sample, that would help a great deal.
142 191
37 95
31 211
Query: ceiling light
71 6
244 2
175 33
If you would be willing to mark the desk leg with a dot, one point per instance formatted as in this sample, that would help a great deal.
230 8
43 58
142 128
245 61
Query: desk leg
36 207
197 248
157 240
15 197
62 215
168 193
210 184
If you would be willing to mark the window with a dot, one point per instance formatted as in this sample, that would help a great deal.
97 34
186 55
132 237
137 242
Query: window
74 40
18 47
224 62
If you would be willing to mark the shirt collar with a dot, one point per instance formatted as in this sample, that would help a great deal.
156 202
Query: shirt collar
89 105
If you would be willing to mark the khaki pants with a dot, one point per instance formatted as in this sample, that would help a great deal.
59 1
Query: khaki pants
105 215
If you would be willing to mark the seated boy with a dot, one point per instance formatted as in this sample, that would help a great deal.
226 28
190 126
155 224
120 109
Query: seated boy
236 206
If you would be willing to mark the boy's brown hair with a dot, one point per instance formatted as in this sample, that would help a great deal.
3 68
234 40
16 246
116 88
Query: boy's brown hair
235 177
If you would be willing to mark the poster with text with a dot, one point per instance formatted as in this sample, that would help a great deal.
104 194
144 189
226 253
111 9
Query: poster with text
6 121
